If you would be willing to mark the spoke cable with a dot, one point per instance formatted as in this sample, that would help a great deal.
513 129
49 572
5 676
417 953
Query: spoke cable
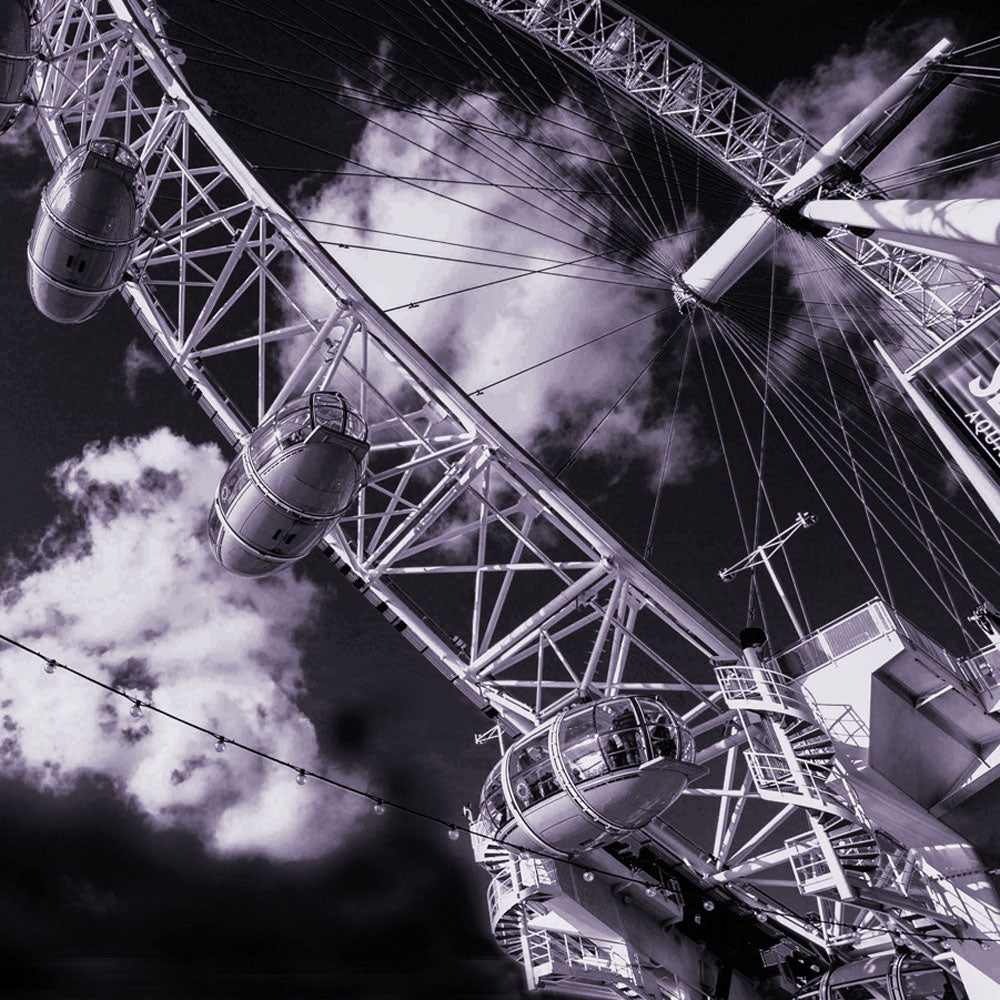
651 532
570 350
614 406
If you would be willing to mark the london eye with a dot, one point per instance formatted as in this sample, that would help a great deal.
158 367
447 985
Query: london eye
659 425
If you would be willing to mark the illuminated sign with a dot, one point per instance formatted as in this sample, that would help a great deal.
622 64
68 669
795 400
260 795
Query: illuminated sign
965 384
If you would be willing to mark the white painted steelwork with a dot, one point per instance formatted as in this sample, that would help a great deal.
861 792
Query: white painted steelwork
754 143
963 229
945 289
761 556
442 463
755 233
842 860
449 496
447 490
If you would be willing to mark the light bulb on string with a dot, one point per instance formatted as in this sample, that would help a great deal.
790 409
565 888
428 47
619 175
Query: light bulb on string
761 918
707 905
378 806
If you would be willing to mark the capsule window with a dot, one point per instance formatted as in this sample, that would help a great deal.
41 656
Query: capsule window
232 482
578 746
282 432
861 991
582 751
531 775
623 745
926 984
811 993
296 437
215 529
329 414
668 736
662 735
69 261
493 803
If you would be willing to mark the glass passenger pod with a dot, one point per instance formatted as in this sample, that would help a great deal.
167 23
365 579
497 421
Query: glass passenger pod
594 772
886 977
299 471
18 52
310 456
86 230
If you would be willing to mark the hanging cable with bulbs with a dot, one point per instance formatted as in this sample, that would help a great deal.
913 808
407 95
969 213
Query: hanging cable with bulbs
380 804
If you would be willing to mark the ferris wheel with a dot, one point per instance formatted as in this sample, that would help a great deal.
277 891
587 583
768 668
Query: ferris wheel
798 331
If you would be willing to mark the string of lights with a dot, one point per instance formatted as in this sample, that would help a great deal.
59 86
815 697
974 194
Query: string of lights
380 803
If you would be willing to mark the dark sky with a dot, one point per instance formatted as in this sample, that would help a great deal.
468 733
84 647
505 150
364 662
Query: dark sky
93 901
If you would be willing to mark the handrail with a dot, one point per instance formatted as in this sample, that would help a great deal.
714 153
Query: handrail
760 685
983 668
866 624
593 954
775 772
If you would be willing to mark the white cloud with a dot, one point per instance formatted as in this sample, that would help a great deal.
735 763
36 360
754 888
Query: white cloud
136 363
838 88
22 138
124 587
481 336
823 103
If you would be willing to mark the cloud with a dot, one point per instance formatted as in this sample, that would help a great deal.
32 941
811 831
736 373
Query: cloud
838 88
482 336
824 102
124 587
135 364
19 145
22 138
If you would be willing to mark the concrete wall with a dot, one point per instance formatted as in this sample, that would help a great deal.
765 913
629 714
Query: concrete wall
910 750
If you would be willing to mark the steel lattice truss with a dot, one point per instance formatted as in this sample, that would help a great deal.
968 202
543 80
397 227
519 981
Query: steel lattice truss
938 301
248 310
758 144
476 555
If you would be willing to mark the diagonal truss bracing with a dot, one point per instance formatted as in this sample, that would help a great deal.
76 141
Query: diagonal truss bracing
939 301
757 144
478 556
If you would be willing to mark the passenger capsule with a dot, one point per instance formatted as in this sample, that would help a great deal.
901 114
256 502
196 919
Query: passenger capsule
296 475
86 230
17 56
887 977
593 773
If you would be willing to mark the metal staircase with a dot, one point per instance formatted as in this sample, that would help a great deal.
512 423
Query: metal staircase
793 762
856 848
555 960
811 744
